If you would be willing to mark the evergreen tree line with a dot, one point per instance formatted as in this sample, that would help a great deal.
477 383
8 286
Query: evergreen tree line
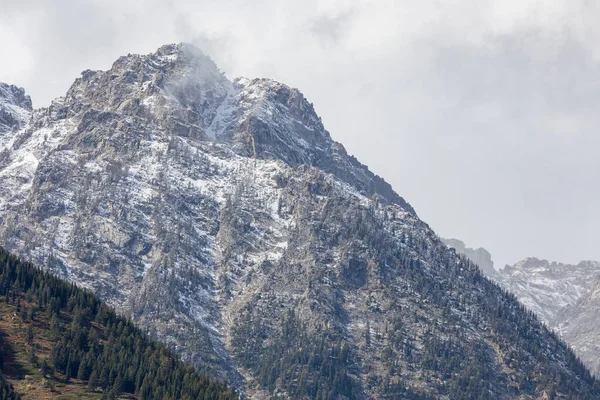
95 345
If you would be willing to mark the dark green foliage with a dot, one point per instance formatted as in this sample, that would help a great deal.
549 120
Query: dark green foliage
29 335
306 366
93 343
6 390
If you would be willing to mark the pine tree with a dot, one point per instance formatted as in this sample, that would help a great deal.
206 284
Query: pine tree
29 334
54 325
31 356
117 387
68 371
93 382
82 371
45 368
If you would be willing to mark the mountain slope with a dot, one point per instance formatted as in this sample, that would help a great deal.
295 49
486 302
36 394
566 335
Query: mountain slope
563 296
57 339
223 219
579 325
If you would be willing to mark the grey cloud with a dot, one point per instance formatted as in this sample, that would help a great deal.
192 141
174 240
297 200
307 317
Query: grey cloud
331 29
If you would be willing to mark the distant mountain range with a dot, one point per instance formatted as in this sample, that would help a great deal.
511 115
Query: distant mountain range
565 297
223 219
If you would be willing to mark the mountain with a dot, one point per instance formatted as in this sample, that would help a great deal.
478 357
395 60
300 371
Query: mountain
57 340
579 324
15 108
225 221
564 297
549 288
479 256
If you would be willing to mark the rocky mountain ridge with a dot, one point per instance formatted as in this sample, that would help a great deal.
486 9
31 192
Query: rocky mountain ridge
15 108
222 217
563 296
579 325
547 288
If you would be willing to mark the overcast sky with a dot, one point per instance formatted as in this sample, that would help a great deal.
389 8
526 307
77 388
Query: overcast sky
483 114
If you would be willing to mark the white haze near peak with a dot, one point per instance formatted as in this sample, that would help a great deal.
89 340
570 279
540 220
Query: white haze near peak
483 114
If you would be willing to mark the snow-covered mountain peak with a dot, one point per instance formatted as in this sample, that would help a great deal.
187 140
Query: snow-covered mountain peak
267 97
547 287
14 95
533 264
181 93
15 108
223 218
177 81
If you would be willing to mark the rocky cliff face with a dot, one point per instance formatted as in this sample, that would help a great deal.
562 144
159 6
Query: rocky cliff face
15 108
222 217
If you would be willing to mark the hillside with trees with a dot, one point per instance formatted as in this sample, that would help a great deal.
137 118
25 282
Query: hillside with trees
58 340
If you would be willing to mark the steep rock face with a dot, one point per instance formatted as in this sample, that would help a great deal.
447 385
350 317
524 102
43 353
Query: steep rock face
224 220
15 108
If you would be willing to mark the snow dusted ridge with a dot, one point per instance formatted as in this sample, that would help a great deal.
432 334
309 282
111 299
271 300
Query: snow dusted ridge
15 108
546 287
135 182
213 211
560 294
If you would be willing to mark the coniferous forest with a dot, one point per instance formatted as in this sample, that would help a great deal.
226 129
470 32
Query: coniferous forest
87 343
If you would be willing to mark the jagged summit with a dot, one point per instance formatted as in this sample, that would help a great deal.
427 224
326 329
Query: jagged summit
180 92
15 95
530 262
15 108
537 263
183 49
